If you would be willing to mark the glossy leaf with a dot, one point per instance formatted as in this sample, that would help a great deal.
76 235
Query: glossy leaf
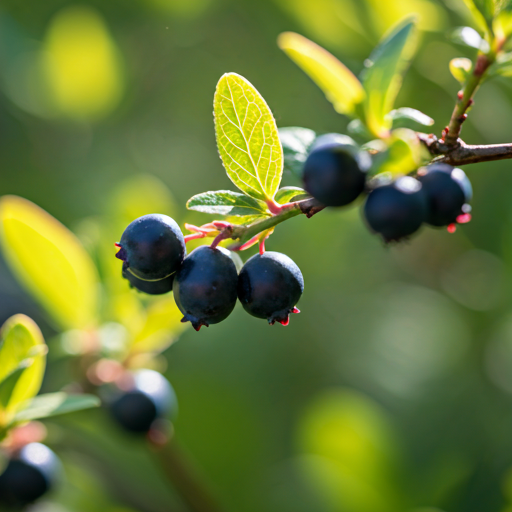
409 118
247 137
50 261
470 37
339 84
483 12
22 363
383 77
296 142
287 194
54 404
226 202
460 68
163 326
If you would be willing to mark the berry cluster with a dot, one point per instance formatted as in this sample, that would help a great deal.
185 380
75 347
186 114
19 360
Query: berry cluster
335 174
206 283
30 473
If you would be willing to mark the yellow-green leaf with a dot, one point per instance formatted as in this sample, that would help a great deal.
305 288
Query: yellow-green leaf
247 137
22 363
339 84
383 77
460 68
50 261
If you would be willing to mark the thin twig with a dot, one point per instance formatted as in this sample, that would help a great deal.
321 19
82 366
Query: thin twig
462 153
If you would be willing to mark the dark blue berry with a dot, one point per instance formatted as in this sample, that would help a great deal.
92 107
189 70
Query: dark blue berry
30 474
396 210
447 190
269 286
205 286
150 287
335 174
152 247
151 398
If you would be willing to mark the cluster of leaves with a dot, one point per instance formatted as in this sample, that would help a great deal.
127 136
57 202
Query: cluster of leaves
22 365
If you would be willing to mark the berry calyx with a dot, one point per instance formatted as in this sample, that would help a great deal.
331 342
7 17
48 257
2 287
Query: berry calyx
150 397
269 286
150 287
29 474
396 210
335 173
152 247
205 286
448 192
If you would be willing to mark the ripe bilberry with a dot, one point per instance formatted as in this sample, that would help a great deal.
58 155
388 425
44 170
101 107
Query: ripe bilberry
29 474
151 397
152 247
335 172
205 286
269 286
396 210
150 287
448 190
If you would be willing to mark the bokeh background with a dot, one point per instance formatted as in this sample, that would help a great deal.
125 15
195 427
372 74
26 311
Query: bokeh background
392 390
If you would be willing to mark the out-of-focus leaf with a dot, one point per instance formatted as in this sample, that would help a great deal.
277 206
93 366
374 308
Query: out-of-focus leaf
470 37
247 137
22 363
355 459
483 13
286 194
503 22
503 65
357 128
296 143
460 68
226 202
383 77
409 118
81 64
163 326
50 261
53 404
405 153
339 84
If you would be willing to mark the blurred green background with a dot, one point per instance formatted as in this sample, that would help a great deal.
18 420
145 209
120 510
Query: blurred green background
392 390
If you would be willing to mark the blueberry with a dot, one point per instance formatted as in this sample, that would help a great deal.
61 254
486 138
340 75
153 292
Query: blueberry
335 172
396 210
152 247
447 190
205 286
151 398
269 286
150 287
29 474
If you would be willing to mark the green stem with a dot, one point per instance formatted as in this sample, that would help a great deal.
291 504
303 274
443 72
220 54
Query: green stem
308 207
465 100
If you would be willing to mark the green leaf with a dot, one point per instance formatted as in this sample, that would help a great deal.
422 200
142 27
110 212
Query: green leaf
339 84
50 261
247 137
470 37
483 12
226 202
53 404
460 68
409 118
296 143
287 194
383 77
503 65
22 364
